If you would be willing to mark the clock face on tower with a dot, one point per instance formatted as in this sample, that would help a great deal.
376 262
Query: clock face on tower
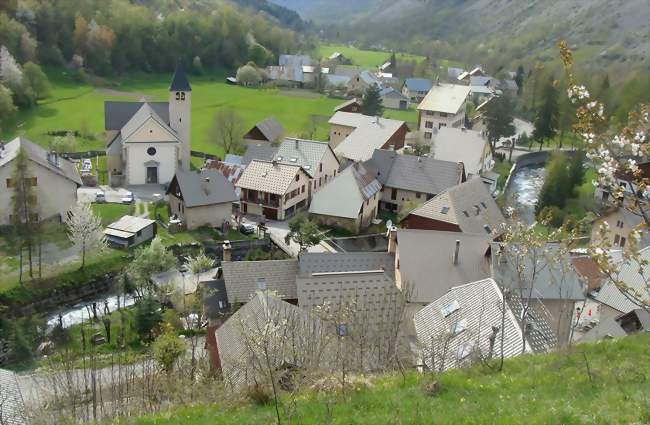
180 95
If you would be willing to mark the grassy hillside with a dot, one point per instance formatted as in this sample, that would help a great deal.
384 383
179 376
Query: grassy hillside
370 59
603 383
75 105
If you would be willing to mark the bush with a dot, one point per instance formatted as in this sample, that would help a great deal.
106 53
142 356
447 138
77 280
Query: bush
258 395
552 215
167 349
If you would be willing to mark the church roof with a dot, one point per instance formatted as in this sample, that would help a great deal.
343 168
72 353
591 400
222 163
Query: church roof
179 80
117 114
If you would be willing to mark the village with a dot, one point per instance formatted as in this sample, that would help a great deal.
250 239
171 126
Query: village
392 235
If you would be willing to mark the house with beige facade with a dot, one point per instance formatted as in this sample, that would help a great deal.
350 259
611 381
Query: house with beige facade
620 224
201 198
408 180
53 179
350 201
147 142
316 158
273 190
355 136
463 145
443 106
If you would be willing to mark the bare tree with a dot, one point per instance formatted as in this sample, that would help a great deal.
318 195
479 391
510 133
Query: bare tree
228 130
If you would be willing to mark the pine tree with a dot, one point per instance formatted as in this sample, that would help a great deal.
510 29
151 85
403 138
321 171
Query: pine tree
499 117
24 207
371 102
546 119
519 79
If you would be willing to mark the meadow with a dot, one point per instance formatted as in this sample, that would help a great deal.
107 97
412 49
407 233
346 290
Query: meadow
365 58
76 106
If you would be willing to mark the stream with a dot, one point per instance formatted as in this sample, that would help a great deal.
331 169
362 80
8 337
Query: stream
82 312
524 189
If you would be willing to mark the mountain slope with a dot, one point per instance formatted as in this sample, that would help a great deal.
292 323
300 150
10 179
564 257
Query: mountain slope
609 30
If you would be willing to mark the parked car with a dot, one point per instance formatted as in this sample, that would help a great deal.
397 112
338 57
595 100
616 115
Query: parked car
247 228
100 197
128 198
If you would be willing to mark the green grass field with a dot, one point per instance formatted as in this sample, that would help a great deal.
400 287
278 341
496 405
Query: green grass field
75 105
365 58
602 383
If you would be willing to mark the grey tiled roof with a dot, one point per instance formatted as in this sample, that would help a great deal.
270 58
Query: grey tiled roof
417 174
553 280
117 114
242 278
258 150
346 262
294 341
270 128
345 194
204 188
37 154
12 408
426 261
628 273
479 310
306 153
468 205
607 328
460 145
418 84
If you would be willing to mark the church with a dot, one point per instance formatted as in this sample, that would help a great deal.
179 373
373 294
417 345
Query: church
147 142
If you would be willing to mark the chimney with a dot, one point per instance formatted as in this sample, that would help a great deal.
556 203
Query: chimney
456 252
227 251
275 162
392 240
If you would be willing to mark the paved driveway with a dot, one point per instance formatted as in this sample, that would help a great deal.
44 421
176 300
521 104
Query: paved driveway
278 231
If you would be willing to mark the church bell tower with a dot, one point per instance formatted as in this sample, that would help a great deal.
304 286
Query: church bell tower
180 95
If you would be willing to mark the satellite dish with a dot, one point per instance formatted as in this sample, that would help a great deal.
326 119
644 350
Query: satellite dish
389 224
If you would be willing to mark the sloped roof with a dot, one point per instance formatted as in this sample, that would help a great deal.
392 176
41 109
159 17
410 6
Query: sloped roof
179 80
588 269
294 60
335 55
38 155
306 153
635 276
258 150
427 261
478 310
231 172
468 205
369 78
270 128
553 280
265 176
347 103
447 98
326 262
337 80
117 114
418 84
413 173
454 72
12 407
391 92
607 328
345 194
130 224
370 133
459 145
242 278
204 188
480 80
138 119
236 351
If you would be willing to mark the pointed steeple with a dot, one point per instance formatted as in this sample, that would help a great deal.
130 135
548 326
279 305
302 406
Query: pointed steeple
179 80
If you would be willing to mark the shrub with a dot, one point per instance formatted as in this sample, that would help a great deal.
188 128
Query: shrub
167 349
258 395
147 317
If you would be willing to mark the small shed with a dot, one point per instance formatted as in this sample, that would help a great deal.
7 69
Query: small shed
130 231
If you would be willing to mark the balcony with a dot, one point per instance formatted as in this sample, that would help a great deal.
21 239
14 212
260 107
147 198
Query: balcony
267 200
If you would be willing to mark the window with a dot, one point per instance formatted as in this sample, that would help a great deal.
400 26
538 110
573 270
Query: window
427 135
444 210
393 194
447 309
320 167
428 124
430 113
464 350
622 242
325 178
487 229
457 327
10 183
151 151
418 195
443 114
442 124
297 177
617 238
303 189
